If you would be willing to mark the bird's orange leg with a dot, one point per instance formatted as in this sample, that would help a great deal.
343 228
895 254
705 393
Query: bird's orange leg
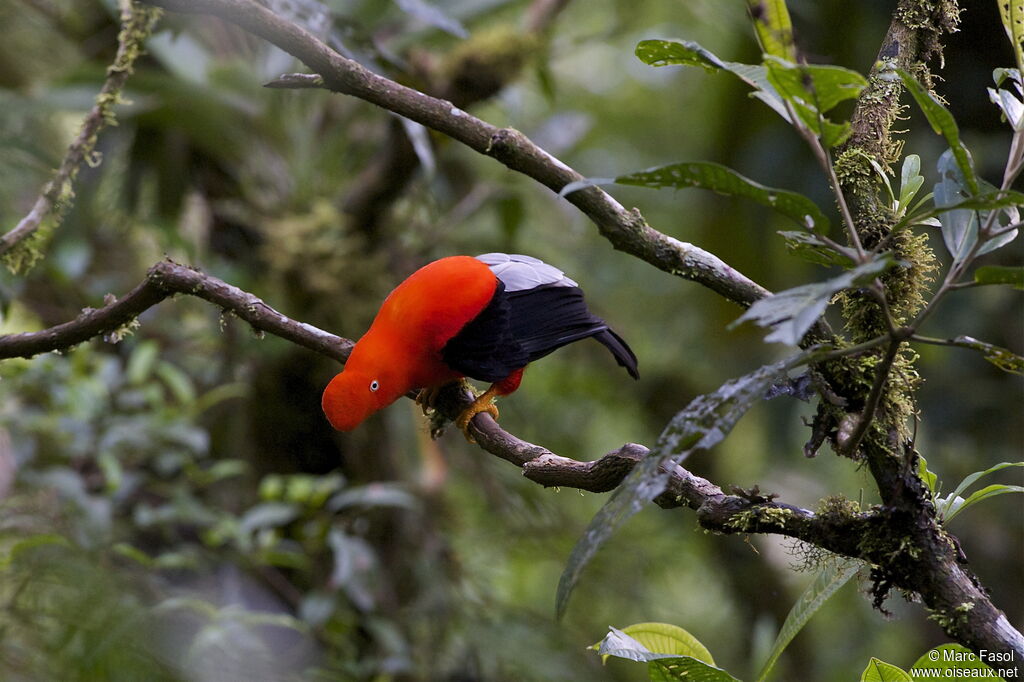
485 402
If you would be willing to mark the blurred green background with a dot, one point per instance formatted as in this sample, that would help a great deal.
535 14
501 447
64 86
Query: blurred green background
176 506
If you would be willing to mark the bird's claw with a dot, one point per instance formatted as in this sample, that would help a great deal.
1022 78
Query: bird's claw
427 397
485 403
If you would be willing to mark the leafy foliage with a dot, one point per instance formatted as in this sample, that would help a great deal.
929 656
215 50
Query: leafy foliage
792 312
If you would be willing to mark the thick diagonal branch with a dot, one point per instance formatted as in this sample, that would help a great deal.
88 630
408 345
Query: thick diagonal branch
625 229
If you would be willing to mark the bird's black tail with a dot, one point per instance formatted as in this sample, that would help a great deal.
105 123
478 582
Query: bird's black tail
620 349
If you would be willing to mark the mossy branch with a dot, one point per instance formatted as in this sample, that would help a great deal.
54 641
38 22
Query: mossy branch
19 249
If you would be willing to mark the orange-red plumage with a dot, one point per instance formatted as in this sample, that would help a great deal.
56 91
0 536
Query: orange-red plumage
456 317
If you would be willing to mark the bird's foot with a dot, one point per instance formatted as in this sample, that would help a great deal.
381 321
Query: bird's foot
427 397
484 403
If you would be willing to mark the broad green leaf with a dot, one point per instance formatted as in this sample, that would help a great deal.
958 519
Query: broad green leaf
685 669
813 90
792 312
880 671
724 180
971 480
911 181
959 504
1012 14
927 476
774 28
943 123
933 664
705 422
1000 274
688 53
665 638
826 583
820 86
950 197
812 249
141 362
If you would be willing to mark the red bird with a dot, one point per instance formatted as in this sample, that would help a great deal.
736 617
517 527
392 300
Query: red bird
485 318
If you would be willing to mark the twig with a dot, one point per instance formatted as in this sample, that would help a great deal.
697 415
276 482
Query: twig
136 25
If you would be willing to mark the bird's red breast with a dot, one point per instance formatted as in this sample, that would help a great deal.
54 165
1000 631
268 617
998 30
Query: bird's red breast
402 348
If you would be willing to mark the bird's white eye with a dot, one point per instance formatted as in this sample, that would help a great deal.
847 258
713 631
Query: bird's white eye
374 385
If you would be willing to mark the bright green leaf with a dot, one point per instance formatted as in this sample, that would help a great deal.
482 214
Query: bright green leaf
179 383
1000 274
665 638
792 312
929 477
826 583
880 671
774 28
723 180
943 123
820 86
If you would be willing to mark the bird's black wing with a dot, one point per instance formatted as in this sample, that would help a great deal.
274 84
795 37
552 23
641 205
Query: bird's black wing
521 326
485 348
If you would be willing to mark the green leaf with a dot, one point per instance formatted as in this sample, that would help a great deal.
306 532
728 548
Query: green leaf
1010 104
664 638
927 476
819 86
812 91
724 180
685 669
933 664
701 425
634 644
911 181
774 28
880 671
1006 360
826 583
959 504
812 249
179 383
113 473
622 645
689 53
1000 274
970 480
792 312
1012 14
140 364
943 123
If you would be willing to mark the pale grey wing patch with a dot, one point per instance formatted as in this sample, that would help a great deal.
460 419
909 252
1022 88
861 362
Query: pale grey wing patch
520 273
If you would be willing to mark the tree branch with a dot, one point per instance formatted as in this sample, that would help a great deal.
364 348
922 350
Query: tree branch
136 25
927 566
625 229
